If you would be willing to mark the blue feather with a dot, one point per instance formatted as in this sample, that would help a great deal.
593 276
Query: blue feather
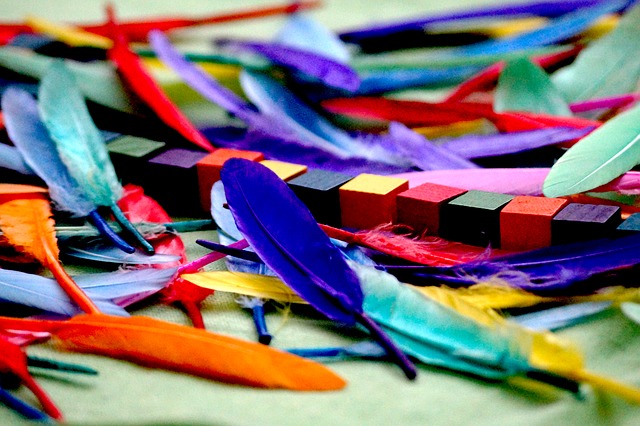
560 317
551 269
97 250
304 32
284 234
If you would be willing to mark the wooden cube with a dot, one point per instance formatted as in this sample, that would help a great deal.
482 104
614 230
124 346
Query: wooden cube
474 218
130 154
319 190
420 207
285 171
581 222
368 200
525 223
172 180
209 167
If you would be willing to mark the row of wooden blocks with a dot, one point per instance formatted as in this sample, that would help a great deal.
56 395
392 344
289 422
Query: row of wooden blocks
181 180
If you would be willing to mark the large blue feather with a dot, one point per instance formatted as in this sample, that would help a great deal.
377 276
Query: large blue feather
284 234
551 269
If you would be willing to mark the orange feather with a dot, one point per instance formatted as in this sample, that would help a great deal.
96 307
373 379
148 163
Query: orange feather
27 224
158 344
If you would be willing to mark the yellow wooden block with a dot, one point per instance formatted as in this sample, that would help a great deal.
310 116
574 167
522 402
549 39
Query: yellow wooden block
370 200
285 171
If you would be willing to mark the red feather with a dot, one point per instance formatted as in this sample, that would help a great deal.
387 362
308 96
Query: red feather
143 85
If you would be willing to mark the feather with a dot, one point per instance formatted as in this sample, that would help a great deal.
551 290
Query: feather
160 344
366 350
11 159
305 33
315 269
598 158
324 69
13 360
432 251
617 101
480 146
549 9
15 189
523 86
562 316
27 224
138 30
80 144
256 305
607 66
26 410
547 270
143 85
97 80
97 250
631 311
104 288
479 341
248 284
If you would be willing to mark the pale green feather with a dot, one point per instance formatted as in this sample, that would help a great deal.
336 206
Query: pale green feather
78 140
597 159
606 67
524 86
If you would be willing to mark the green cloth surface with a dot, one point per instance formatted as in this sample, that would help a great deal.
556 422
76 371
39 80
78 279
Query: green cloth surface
377 392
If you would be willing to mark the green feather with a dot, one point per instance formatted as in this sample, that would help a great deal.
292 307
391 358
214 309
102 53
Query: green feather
600 157
78 140
606 67
523 86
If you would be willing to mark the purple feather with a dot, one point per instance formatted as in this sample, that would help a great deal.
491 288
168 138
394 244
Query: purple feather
478 146
292 151
548 270
284 234
328 71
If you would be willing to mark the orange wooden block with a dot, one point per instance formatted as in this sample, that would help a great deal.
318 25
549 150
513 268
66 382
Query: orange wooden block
419 207
525 223
285 171
209 170
369 200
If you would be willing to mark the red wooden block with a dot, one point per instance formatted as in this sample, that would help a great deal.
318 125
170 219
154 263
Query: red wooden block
525 223
209 170
419 207
369 200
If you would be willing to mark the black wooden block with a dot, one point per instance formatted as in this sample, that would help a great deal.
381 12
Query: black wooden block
319 191
130 155
581 222
474 218
630 225
172 180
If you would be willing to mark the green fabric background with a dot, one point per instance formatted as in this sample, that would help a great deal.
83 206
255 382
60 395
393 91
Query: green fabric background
377 393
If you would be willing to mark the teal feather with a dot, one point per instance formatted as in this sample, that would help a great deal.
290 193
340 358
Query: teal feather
607 66
524 86
608 152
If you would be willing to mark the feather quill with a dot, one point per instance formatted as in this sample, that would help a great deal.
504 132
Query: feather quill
80 144
159 344
142 84
546 270
315 269
523 86
607 66
603 155
27 224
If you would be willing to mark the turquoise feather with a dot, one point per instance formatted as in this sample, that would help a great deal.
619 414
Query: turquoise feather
524 86
600 157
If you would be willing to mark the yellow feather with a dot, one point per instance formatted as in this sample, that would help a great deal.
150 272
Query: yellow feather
71 35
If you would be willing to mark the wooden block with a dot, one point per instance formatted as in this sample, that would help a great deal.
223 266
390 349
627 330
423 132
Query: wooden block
630 225
474 218
285 171
525 223
319 190
580 222
209 170
420 207
172 180
130 154
368 200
